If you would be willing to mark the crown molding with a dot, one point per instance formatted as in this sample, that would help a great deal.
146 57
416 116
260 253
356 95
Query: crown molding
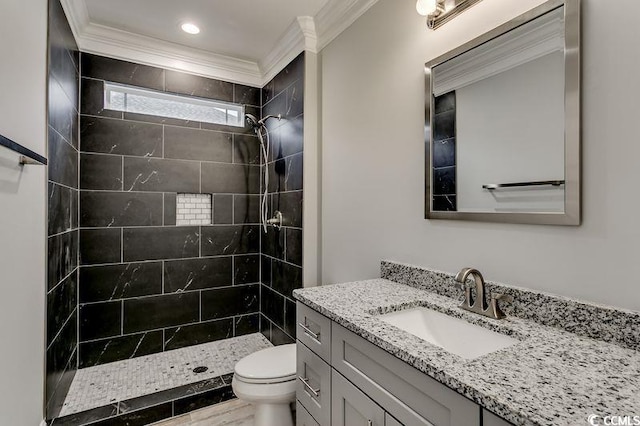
150 51
338 15
290 45
119 44
305 33
309 32
77 15
525 44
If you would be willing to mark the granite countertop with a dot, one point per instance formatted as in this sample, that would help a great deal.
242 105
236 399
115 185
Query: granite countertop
551 377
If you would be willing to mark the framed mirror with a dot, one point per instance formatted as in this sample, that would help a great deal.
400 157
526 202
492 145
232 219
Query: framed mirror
502 126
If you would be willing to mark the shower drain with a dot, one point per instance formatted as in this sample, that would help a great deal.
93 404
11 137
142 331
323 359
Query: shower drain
200 369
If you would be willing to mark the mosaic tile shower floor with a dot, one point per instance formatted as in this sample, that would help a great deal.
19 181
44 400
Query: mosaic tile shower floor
118 381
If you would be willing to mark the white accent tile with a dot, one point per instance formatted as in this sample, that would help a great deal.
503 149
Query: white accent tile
193 209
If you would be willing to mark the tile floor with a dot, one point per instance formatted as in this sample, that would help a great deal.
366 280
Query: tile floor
118 381
232 413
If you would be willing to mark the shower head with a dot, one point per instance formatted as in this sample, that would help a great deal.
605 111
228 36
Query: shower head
255 123
252 120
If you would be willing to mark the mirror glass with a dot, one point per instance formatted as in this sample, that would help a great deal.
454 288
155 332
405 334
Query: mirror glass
496 123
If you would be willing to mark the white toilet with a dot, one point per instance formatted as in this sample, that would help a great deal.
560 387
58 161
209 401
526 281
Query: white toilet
267 379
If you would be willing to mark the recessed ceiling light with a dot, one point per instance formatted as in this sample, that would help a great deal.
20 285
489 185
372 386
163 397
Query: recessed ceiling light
190 28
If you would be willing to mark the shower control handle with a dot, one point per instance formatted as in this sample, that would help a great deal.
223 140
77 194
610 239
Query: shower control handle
276 220
305 382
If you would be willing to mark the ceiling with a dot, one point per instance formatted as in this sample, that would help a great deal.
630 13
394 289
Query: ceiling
244 29
246 41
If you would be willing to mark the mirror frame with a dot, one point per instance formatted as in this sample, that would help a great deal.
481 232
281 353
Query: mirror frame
572 150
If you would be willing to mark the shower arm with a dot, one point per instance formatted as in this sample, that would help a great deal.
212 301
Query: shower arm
264 119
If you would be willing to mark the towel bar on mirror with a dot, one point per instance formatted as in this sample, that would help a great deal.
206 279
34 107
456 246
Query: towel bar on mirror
493 186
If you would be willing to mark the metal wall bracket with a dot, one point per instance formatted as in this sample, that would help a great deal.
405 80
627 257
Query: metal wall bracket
447 10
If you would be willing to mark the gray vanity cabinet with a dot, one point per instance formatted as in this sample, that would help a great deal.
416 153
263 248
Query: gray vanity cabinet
303 418
390 421
344 380
351 407
490 419
406 394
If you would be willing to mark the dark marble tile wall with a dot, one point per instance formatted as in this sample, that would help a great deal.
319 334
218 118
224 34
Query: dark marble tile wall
444 153
62 241
145 284
281 250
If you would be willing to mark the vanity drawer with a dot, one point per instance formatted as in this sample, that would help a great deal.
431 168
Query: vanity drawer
314 330
303 418
407 394
313 389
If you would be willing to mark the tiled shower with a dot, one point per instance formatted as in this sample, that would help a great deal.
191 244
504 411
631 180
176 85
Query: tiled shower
160 285
134 269
62 241
281 249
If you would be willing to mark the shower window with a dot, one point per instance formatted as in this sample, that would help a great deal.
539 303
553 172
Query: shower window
119 97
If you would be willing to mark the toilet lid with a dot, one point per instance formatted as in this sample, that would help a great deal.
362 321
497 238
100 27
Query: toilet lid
268 364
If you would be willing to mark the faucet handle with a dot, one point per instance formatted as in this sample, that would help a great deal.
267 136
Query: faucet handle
495 309
500 296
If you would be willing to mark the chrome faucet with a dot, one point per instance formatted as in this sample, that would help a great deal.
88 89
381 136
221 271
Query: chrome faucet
479 304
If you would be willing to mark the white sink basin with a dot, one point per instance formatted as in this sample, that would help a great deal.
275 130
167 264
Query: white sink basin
452 334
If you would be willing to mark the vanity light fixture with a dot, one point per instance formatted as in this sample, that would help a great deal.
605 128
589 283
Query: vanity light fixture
426 7
190 28
438 12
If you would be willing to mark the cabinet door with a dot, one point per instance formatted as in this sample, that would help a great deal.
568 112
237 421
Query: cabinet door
351 407
303 418
490 419
390 421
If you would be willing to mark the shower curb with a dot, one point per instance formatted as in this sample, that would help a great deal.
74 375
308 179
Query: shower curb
154 407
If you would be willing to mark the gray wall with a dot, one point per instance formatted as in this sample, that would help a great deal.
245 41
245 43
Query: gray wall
23 195
373 159
62 271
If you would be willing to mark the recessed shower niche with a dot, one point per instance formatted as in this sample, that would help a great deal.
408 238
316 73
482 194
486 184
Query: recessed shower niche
194 209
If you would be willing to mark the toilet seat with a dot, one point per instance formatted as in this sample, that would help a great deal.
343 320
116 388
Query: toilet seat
272 365
265 381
